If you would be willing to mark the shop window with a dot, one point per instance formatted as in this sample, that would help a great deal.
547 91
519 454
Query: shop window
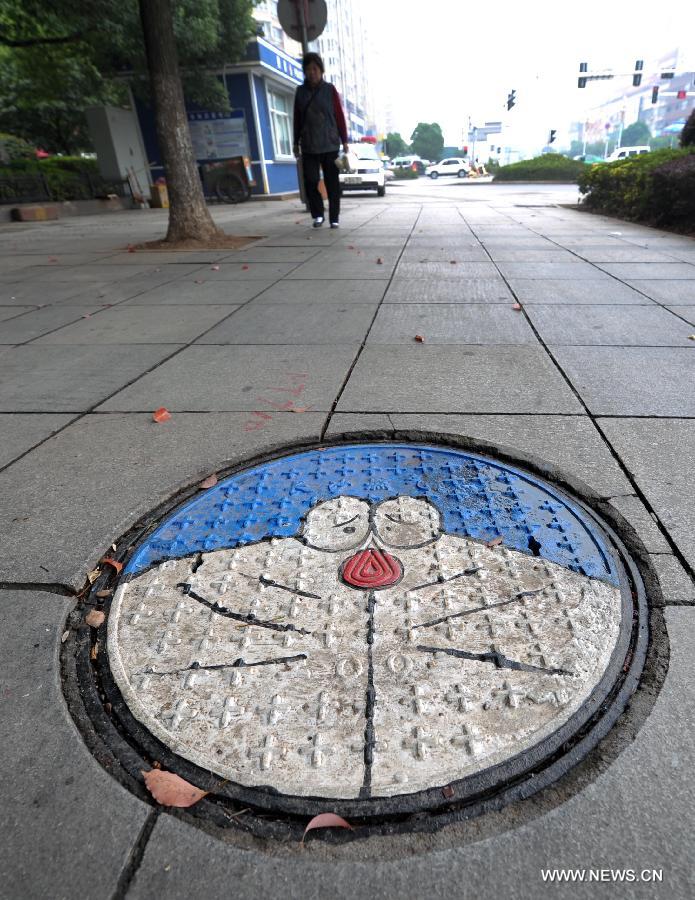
280 115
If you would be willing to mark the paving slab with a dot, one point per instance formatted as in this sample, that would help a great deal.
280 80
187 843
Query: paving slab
667 291
677 586
110 293
576 270
359 291
650 271
631 381
435 270
622 254
245 270
655 451
140 325
36 293
257 253
108 272
448 290
21 432
588 291
465 378
11 312
68 826
246 378
609 325
346 423
61 509
531 254
644 522
447 255
346 265
451 323
189 292
43 321
637 814
313 322
70 379
685 312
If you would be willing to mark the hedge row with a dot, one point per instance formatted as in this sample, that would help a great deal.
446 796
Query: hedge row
549 167
66 177
657 188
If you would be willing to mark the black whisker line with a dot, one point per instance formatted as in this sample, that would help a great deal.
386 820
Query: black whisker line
283 587
247 618
443 580
237 664
499 660
467 612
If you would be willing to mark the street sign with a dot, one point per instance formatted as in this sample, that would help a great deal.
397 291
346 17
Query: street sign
315 17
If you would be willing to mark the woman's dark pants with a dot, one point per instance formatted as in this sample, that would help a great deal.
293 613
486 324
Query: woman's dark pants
312 163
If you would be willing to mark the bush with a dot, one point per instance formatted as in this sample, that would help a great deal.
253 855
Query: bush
549 167
688 133
631 188
15 148
405 172
66 177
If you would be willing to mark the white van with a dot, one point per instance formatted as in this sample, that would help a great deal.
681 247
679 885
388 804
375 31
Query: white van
625 152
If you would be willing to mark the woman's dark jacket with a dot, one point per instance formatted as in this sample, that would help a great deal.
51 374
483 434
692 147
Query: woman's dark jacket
319 121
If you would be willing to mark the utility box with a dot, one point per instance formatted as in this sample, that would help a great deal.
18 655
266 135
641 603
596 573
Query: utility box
118 142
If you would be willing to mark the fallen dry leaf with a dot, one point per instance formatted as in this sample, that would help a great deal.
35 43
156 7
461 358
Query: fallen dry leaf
298 409
351 247
94 618
200 281
215 268
93 575
94 652
326 820
419 338
131 249
169 789
107 561
379 261
87 316
161 415
495 542
517 306
243 268
64 636
448 791
53 259
691 337
208 482
452 262
102 594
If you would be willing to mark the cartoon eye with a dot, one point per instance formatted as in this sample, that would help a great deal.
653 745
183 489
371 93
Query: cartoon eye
406 522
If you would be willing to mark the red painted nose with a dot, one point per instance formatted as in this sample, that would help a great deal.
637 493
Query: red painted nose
371 570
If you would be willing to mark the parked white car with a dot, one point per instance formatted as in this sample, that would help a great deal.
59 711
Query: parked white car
626 152
369 175
454 165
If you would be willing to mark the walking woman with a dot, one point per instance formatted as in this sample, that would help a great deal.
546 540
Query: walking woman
319 129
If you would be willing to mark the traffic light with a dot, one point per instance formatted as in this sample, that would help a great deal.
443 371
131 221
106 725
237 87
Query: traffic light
511 99
465 151
682 95
581 82
655 93
637 77
553 132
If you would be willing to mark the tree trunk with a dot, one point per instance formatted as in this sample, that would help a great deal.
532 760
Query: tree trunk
189 217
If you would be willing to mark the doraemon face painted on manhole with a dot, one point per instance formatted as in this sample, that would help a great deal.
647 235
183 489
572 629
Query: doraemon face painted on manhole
371 623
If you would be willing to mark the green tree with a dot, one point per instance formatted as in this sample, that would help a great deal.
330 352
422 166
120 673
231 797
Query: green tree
636 135
427 140
395 144
688 133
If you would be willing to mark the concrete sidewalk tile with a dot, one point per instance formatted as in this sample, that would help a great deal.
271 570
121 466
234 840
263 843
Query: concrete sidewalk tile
108 293
445 255
68 826
357 291
686 312
531 255
636 513
36 293
668 292
258 253
21 432
344 423
200 293
609 325
453 323
313 322
452 290
11 312
42 321
658 452
631 381
562 270
67 500
245 270
636 815
434 270
246 378
346 266
108 272
564 291
53 378
638 271
623 254
140 325
677 587
466 378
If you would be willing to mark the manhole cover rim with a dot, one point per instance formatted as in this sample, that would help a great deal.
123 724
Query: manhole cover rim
512 775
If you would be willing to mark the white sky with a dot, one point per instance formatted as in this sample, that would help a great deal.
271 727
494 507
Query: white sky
448 60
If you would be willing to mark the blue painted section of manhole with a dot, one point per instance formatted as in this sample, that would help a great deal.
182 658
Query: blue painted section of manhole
477 497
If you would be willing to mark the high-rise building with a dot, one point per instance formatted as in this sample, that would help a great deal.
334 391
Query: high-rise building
266 14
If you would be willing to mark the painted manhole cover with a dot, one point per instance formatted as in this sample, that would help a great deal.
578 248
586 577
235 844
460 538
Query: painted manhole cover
377 627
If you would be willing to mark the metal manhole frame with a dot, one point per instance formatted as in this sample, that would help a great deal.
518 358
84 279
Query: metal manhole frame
126 747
